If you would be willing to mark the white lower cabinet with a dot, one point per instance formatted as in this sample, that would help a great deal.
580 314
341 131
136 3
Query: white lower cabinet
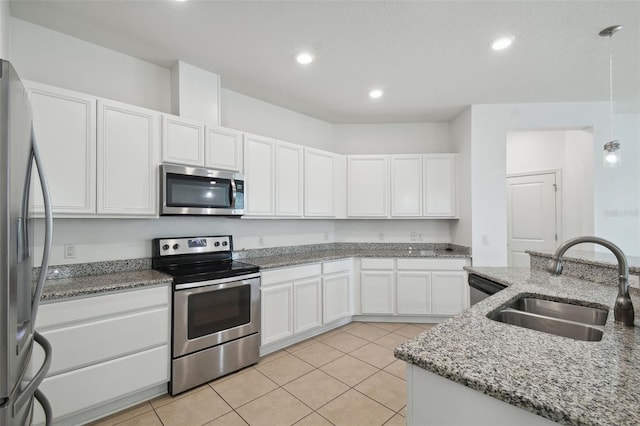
413 292
306 308
377 292
413 286
110 349
336 297
301 301
277 313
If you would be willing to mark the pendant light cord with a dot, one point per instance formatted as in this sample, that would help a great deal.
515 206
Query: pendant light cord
610 90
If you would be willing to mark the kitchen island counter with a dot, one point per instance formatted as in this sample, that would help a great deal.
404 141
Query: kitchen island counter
564 380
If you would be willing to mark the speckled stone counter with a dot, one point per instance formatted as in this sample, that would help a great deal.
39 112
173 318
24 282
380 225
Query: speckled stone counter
297 255
587 265
565 380
65 288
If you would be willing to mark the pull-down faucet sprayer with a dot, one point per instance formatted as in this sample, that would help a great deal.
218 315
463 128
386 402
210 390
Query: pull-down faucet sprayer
623 308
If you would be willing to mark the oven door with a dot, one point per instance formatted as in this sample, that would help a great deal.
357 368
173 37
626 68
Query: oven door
210 313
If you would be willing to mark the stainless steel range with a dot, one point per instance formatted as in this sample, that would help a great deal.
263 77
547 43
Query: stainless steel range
216 308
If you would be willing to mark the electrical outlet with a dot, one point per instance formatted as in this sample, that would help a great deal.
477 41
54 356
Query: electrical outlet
260 241
69 251
634 281
326 236
380 236
414 236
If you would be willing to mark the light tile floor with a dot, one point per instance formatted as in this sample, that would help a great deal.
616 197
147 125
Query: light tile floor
347 376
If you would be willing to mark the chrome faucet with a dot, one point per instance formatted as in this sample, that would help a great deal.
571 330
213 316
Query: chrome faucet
623 308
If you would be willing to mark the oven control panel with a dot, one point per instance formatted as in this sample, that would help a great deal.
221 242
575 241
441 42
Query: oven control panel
193 245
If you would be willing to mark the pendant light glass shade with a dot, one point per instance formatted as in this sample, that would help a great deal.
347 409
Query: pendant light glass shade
611 156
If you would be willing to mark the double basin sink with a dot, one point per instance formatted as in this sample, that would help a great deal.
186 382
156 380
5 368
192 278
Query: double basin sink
566 318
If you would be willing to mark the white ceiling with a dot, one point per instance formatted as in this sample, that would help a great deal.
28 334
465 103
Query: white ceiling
432 58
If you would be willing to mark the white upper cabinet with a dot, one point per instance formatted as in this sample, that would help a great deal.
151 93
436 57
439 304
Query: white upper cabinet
367 186
65 129
182 141
128 159
406 185
259 169
440 185
319 178
223 148
288 179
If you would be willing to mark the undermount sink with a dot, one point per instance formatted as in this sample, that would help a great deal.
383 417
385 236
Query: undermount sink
570 318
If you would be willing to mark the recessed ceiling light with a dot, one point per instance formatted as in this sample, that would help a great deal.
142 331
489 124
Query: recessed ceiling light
304 58
502 42
375 93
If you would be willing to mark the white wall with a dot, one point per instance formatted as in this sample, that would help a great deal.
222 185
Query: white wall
571 152
255 116
5 14
396 231
50 57
460 129
111 239
411 138
613 188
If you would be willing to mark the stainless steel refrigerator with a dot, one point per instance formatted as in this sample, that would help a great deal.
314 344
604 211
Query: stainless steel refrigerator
19 297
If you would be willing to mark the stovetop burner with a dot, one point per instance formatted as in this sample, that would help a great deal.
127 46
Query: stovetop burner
196 259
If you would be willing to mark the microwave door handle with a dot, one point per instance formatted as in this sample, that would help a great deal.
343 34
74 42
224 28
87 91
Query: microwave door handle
232 188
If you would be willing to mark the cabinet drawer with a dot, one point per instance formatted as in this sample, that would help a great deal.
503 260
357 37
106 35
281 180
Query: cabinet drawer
80 345
290 274
337 266
98 384
376 264
80 310
431 264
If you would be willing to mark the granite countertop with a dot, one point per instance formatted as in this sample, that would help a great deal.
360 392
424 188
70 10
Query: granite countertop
565 380
65 288
75 280
292 259
607 260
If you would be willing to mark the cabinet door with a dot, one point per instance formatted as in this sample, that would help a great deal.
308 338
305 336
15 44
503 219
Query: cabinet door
440 191
288 179
376 290
449 293
223 148
367 186
406 185
336 297
127 159
277 313
306 305
65 129
259 163
182 141
413 292
318 183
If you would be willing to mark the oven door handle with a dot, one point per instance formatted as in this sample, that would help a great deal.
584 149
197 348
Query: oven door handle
222 283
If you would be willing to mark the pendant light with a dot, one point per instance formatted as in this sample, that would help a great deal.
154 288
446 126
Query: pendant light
612 153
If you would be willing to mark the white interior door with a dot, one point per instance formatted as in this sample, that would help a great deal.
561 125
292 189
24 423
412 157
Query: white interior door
531 204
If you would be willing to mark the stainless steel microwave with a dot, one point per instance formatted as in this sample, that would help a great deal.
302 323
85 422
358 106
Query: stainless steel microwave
188 190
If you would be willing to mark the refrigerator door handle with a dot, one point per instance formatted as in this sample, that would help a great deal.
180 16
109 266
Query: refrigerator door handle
28 392
46 406
48 233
